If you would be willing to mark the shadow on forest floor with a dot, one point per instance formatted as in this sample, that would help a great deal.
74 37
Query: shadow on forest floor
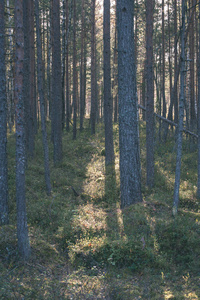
84 246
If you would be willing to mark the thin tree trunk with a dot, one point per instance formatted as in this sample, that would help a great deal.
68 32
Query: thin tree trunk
115 79
22 227
108 105
41 96
150 96
74 72
192 92
4 219
32 86
57 84
181 115
49 64
26 79
64 34
93 72
163 60
176 75
198 123
10 75
82 108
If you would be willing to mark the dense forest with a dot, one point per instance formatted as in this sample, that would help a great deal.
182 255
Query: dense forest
99 149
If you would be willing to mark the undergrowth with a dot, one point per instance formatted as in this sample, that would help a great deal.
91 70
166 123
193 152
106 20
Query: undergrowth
84 246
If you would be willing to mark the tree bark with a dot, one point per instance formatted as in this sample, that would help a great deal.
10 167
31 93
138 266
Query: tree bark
57 84
108 104
181 116
74 72
93 66
22 227
198 123
192 92
150 96
130 177
4 219
82 106
163 60
41 96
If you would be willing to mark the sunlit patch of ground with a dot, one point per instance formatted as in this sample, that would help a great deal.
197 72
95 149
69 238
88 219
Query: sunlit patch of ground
85 246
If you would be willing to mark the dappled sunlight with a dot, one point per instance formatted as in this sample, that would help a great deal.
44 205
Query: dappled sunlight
84 246
121 224
90 218
168 294
94 184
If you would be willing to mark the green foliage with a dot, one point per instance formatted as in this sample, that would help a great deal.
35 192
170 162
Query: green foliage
85 246
179 240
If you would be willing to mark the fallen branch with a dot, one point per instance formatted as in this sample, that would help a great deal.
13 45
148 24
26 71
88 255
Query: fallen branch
170 122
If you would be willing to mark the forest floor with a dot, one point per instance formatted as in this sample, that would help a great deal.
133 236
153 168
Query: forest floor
84 246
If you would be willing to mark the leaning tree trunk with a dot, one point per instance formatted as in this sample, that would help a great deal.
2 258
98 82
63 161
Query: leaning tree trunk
22 227
3 125
130 177
41 96
181 116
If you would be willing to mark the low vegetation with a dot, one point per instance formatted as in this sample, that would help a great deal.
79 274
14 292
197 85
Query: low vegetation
84 246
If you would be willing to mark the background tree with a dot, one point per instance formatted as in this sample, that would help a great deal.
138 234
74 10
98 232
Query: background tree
130 179
82 104
198 119
74 72
41 96
149 95
181 115
93 69
57 83
108 103
22 227
3 125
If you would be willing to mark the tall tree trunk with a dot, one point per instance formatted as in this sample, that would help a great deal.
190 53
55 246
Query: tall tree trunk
192 92
169 57
198 123
130 177
163 60
10 75
150 95
3 124
26 79
181 116
93 71
22 227
82 107
174 95
143 92
74 72
68 22
41 96
64 34
49 63
57 84
32 86
108 105
115 79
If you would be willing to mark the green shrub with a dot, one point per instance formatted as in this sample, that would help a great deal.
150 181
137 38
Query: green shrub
119 254
179 240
